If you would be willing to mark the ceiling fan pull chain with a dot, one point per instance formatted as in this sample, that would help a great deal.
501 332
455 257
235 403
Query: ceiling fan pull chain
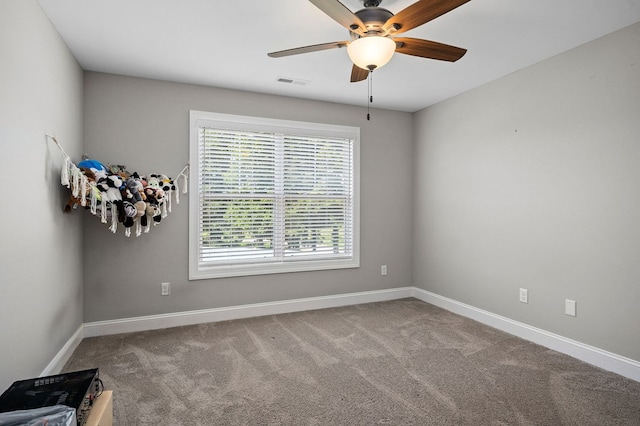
370 89
370 94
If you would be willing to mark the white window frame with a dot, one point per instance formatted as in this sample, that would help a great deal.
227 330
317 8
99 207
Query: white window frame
218 120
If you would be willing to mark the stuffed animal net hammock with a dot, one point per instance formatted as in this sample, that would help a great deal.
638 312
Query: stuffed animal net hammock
117 196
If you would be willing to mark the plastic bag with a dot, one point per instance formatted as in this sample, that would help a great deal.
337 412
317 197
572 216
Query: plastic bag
55 415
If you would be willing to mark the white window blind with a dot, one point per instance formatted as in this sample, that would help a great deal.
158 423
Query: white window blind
272 196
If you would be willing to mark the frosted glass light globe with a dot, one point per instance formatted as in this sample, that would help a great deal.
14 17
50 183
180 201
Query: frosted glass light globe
371 52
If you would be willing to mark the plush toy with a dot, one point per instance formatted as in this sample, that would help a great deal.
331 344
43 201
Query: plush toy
141 180
155 199
159 196
93 165
89 173
152 213
110 187
154 195
120 170
153 181
166 183
131 193
126 212
139 184
128 192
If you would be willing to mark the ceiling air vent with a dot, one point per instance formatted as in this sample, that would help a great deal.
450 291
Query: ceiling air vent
289 80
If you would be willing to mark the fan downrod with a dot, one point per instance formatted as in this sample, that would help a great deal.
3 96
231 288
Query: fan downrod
371 3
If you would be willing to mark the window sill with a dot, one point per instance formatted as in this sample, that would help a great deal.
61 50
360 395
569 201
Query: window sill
226 271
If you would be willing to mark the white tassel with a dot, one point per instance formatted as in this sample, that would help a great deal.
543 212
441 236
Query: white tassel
83 190
114 219
164 210
103 210
75 186
64 173
94 201
138 228
169 193
177 191
127 232
148 227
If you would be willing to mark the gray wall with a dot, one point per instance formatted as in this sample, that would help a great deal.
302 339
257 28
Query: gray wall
534 181
144 125
40 258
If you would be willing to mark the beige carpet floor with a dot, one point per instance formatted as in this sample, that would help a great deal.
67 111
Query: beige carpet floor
402 362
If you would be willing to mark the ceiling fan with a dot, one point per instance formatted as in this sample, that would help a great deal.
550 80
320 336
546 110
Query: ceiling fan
373 30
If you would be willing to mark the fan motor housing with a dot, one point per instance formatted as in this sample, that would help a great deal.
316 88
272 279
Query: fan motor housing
374 18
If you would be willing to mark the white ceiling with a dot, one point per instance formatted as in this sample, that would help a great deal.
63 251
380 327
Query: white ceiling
225 43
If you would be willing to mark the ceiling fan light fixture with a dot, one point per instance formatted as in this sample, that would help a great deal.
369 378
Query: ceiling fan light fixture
371 52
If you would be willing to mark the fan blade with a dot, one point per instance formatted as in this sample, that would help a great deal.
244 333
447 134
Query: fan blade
308 49
358 74
428 49
341 14
419 13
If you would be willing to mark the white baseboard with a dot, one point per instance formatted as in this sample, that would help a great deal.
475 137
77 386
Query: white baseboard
606 360
63 355
154 322
600 358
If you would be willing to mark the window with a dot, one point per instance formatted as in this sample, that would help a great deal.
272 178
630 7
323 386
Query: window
271 196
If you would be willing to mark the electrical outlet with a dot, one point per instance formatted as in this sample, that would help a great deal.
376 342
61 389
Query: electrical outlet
570 307
524 295
383 270
166 289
